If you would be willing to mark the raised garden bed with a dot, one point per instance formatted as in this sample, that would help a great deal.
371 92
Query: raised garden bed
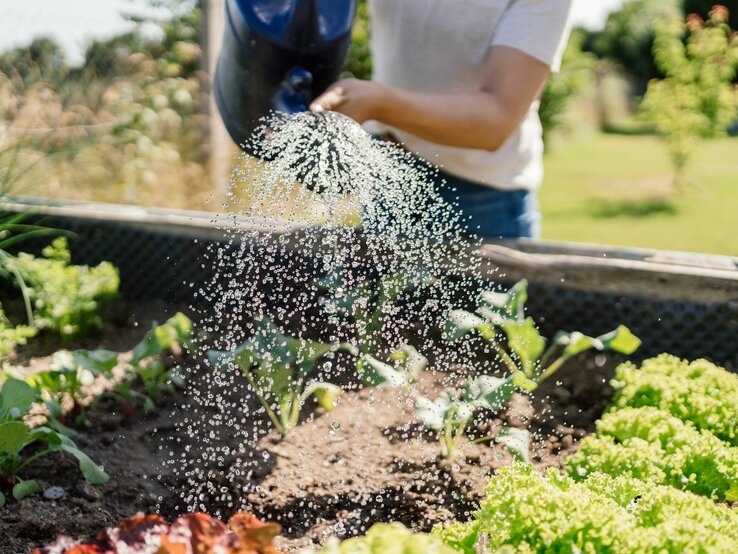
369 459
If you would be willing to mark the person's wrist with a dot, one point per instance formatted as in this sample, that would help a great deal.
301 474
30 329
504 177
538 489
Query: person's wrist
382 102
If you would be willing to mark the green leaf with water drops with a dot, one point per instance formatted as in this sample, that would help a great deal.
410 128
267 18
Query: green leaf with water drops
517 441
325 393
525 342
460 323
488 392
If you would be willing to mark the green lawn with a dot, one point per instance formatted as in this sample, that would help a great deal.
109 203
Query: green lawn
616 189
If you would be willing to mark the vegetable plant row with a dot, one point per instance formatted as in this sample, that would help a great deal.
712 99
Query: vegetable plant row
145 378
604 509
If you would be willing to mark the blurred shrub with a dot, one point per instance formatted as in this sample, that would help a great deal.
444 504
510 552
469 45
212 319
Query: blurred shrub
359 61
577 71
696 99
124 125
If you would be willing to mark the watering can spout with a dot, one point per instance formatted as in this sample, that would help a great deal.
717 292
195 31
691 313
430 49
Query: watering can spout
278 55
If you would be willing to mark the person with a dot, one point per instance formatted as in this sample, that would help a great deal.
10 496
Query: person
458 82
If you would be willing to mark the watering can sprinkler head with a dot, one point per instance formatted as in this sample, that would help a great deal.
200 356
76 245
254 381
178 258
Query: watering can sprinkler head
277 56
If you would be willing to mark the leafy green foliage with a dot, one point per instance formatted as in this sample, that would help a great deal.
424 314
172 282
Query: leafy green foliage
66 298
359 60
577 68
698 392
12 336
69 374
16 399
654 446
501 317
454 409
524 511
696 99
367 306
388 538
278 368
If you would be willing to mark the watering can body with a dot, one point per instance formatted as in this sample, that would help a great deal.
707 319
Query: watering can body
278 55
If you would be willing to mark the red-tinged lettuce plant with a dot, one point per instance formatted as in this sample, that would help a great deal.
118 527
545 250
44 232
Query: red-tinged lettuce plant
191 533
277 368
16 436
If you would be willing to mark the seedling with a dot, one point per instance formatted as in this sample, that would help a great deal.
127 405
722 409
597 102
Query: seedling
69 375
16 399
170 337
277 368
454 409
502 316
368 306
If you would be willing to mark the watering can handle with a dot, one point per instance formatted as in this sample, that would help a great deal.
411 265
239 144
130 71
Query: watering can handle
293 94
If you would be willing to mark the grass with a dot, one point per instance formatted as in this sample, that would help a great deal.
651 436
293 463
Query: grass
617 190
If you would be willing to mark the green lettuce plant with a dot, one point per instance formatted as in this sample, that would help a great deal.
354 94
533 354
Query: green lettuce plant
386 538
501 321
698 392
524 511
277 368
16 436
654 446
64 297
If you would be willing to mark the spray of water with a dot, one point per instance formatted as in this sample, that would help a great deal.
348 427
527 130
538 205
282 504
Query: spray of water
373 214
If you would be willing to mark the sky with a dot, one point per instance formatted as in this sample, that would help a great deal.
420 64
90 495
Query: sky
74 23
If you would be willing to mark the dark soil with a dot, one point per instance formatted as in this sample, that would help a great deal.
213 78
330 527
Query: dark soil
336 474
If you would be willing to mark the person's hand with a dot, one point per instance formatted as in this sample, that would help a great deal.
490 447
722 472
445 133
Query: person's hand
359 100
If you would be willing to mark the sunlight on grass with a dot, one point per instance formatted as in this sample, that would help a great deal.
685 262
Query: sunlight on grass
617 190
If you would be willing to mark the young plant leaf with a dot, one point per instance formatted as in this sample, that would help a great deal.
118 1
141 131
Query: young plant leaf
488 392
525 342
14 435
411 361
375 373
432 413
16 398
461 322
325 393
162 338
621 340
25 488
91 471
2 500
517 441
510 304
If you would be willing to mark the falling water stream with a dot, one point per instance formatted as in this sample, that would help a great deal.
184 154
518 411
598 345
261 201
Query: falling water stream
270 269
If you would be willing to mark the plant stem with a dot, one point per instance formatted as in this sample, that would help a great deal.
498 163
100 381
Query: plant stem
272 416
32 458
550 370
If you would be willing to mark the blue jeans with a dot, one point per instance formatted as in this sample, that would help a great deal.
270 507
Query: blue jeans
491 213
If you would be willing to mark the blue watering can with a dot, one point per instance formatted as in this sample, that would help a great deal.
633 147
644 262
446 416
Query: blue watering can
278 55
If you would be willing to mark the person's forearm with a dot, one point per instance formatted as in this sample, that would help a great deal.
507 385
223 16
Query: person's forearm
467 120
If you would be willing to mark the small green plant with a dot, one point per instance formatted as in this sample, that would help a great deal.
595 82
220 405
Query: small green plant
69 376
524 511
72 372
146 363
367 306
65 298
12 336
501 322
654 446
387 538
16 399
696 99
277 368
454 410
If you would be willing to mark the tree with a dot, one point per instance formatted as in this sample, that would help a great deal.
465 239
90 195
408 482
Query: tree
696 99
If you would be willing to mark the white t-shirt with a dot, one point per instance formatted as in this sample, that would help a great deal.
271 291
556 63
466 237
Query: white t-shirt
441 46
